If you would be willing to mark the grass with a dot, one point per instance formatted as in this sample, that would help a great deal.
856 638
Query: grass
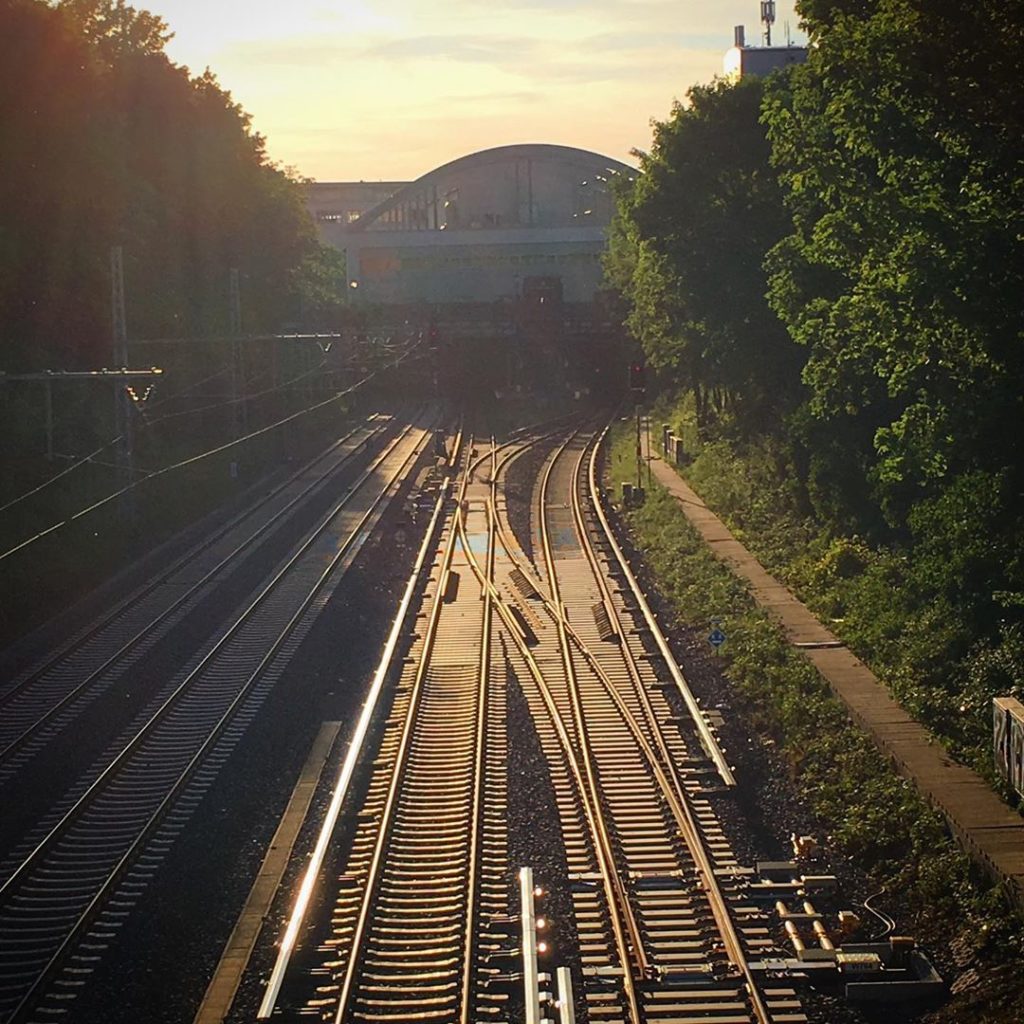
874 816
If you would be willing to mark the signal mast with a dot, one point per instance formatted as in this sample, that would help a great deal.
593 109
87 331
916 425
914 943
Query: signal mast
768 19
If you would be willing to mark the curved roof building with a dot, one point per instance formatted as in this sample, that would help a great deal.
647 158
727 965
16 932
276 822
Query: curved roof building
473 229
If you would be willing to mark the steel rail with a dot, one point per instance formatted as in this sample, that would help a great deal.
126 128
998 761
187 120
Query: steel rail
401 758
340 790
660 761
35 671
19 741
588 798
670 783
183 686
476 820
707 738
636 944
553 610
114 875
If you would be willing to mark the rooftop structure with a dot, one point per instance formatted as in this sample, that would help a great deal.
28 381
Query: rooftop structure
474 229
342 202
742 60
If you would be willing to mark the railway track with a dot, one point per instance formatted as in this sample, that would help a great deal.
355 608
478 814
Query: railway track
404 922
40 702
422 925
65 897
687 932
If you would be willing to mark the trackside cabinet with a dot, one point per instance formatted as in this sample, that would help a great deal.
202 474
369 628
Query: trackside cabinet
1008 740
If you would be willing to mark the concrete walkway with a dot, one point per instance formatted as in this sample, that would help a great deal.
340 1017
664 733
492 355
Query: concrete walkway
989 830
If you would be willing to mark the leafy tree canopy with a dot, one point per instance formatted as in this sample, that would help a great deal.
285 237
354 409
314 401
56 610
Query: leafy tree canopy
116 28
688 250
900 146
107 142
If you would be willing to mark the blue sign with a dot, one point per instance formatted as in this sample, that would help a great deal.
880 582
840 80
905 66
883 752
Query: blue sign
716 638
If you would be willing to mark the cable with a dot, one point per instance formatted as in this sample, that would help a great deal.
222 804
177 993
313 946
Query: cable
190 387
890 923
233 401
109 444
198 458
160 419
64 472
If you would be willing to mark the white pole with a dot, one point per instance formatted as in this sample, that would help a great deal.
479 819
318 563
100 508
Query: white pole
531 988
566 1008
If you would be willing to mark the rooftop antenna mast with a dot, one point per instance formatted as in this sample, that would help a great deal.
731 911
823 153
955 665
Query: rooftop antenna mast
768 19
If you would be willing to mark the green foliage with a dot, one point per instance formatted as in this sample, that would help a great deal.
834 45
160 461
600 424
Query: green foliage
106 142
115 28
872 814
899 146
878 203
905 614
878 471
320 283
686 251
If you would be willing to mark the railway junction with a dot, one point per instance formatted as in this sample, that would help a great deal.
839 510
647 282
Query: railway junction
395 736
519 811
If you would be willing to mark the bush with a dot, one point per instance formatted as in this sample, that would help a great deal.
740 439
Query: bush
874 816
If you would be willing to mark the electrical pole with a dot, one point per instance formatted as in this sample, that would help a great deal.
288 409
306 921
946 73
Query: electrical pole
122 400
639 453
637 385
239 413
647 454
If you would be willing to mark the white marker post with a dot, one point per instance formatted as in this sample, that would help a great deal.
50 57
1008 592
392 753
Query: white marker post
531 987
566 1007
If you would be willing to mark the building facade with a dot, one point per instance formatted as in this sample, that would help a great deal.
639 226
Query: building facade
475 229
742 60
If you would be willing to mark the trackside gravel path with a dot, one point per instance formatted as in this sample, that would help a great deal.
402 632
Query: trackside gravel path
989 830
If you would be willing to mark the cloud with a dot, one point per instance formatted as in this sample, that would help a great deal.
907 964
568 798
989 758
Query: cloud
632 42
642 9
598 58
496 50
368 88
295 51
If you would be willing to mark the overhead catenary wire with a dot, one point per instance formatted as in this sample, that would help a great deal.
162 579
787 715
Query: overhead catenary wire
148 422
57 476
223 404
54 527
91 457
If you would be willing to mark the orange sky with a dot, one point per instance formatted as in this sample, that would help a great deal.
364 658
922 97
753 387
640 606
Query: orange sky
389 90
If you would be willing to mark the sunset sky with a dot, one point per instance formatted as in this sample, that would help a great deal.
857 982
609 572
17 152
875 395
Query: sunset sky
390 89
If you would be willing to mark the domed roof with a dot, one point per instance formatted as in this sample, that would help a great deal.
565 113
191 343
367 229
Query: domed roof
577 168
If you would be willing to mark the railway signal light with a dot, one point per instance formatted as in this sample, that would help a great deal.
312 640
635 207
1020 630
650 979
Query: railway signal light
637 373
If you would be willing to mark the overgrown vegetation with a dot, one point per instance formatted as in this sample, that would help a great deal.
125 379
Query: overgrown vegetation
870 595
107 142
873 815
827 264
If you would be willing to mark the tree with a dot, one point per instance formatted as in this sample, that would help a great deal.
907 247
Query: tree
899 143
115 28
688 248
107 142
54 187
